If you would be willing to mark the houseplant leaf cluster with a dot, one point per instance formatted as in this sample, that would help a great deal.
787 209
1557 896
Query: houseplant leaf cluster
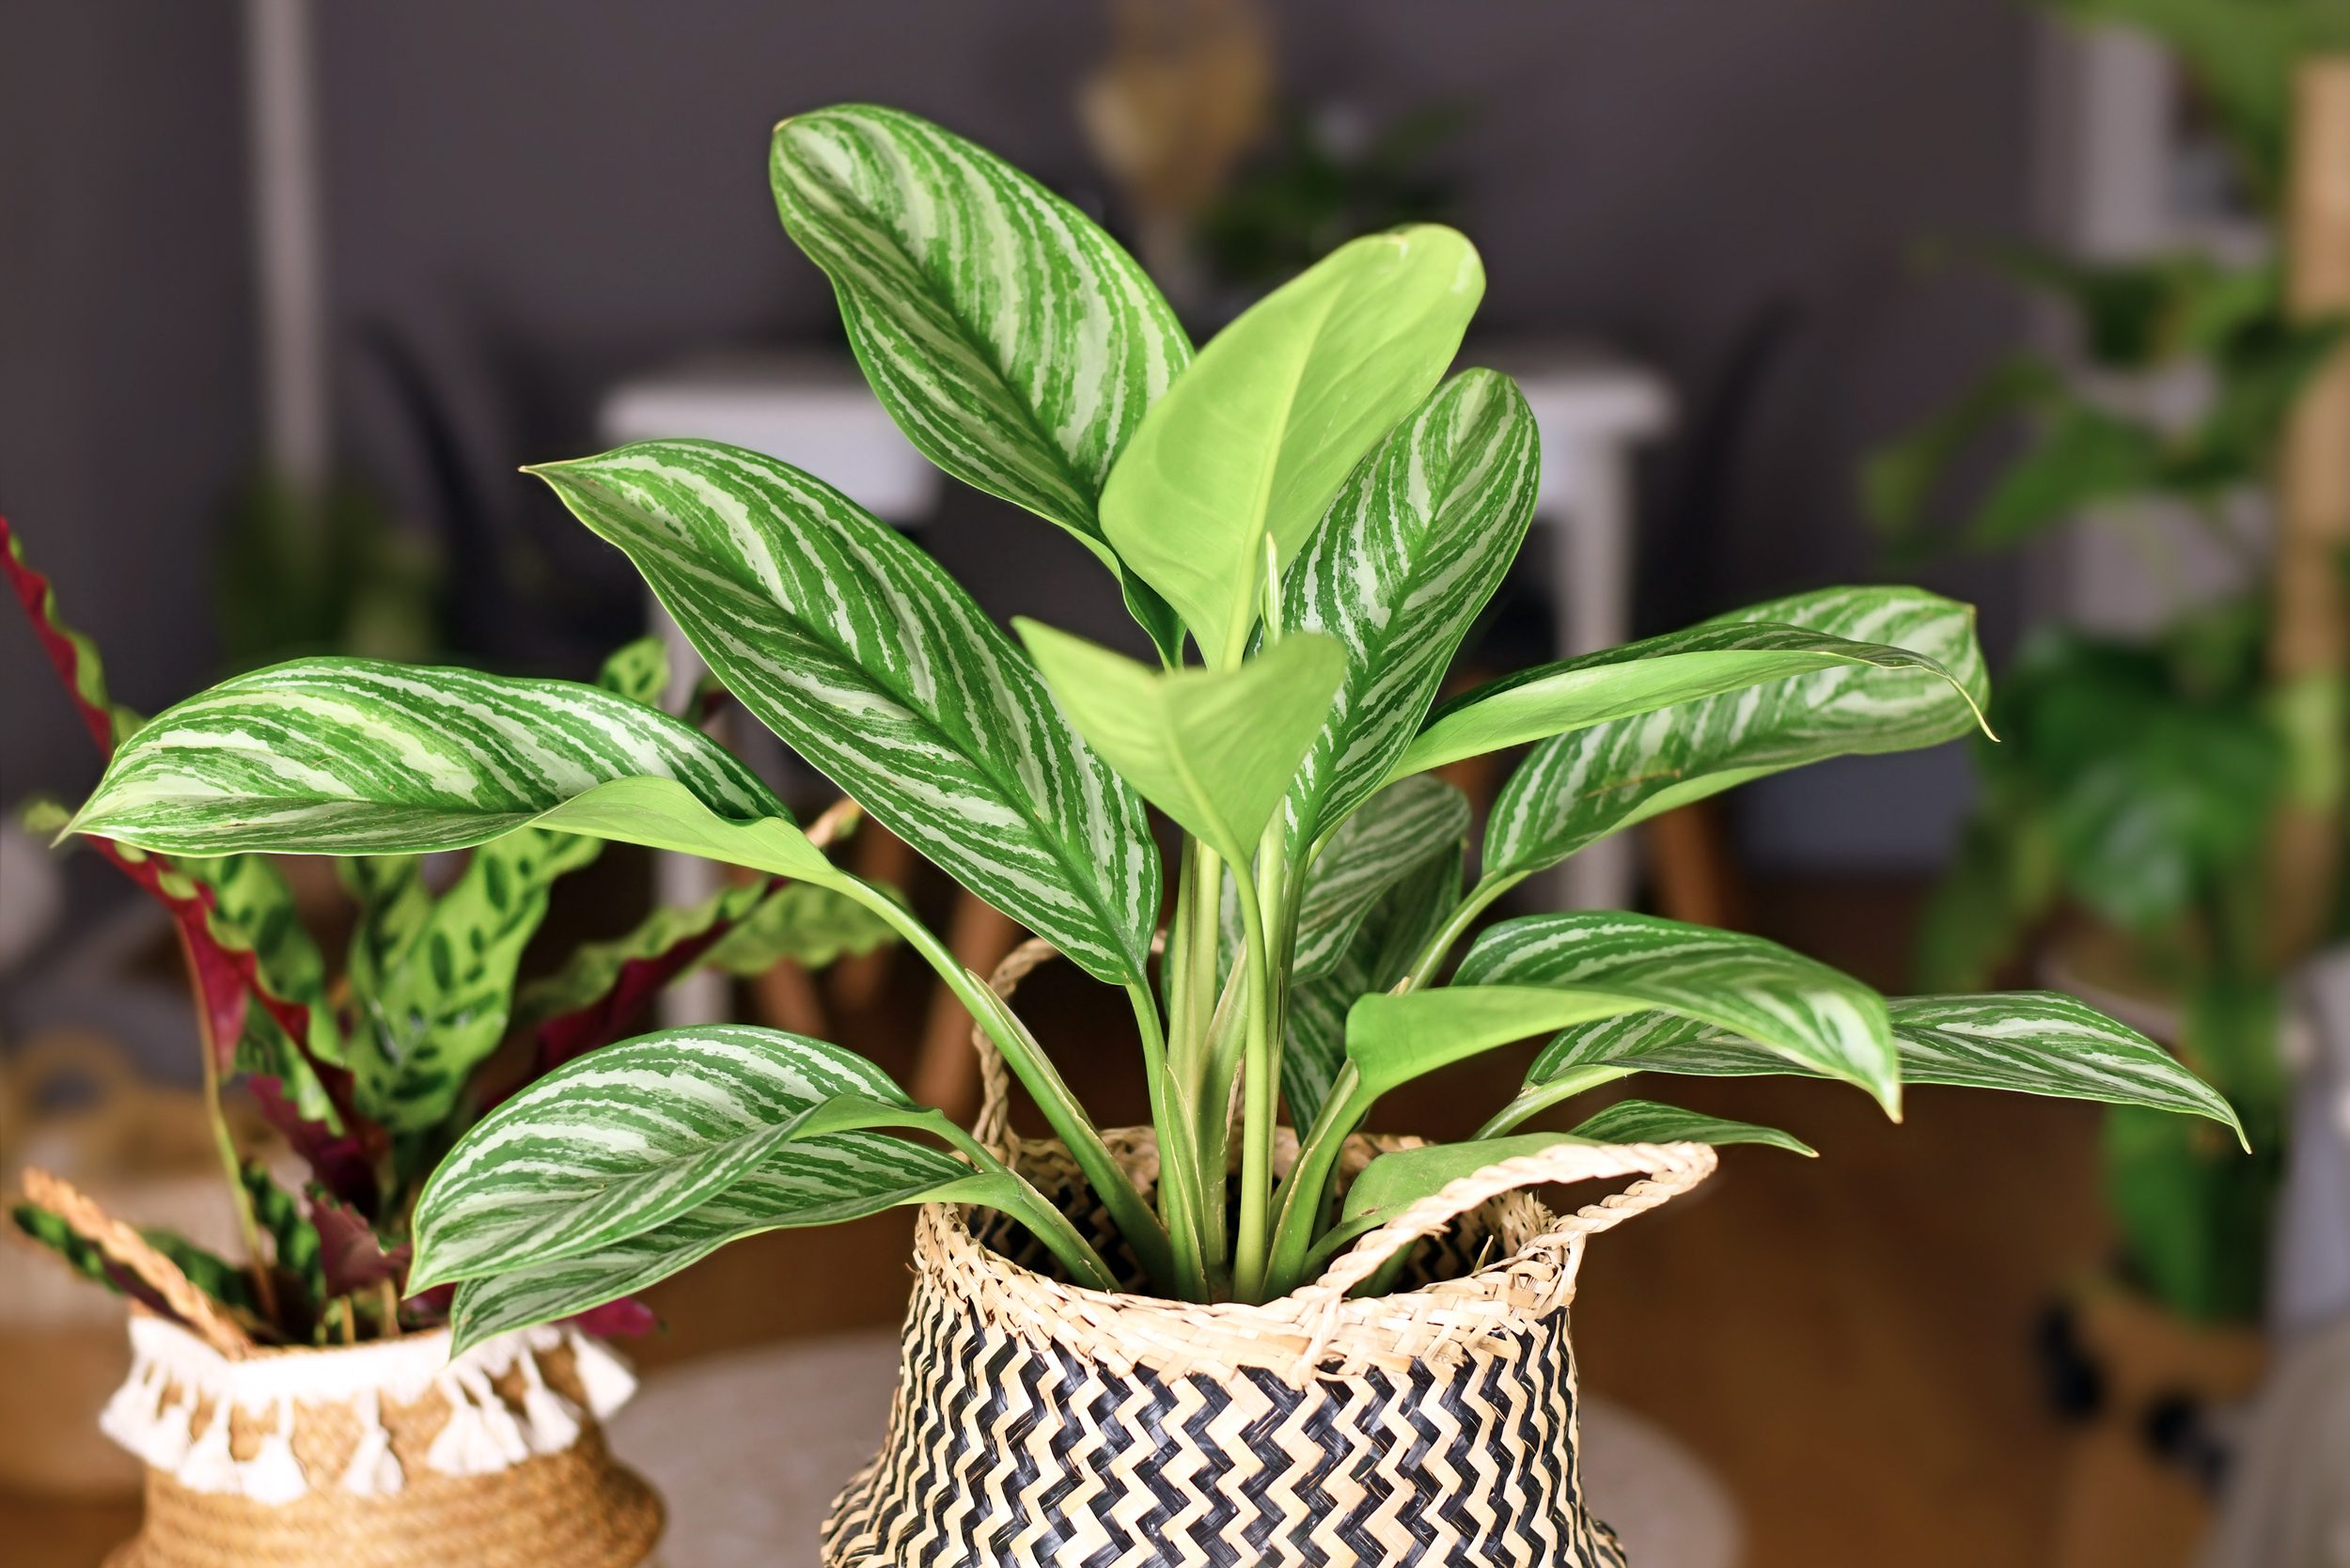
1304 518
370 1067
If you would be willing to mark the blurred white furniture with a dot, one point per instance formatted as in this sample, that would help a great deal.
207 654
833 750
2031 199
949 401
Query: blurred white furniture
814 410
749 1448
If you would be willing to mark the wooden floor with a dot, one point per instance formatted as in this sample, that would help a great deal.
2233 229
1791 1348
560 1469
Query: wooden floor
1845 1340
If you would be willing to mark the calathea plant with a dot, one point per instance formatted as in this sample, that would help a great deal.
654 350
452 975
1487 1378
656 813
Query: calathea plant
372 1072
1304 518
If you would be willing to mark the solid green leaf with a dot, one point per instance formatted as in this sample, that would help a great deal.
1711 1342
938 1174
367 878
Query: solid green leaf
1642 678
1399 569
1395 1180
624 1139
1646 1122
1215 749
1399 830
824 1180
1585 785
1796 1006
353 757
2023 1041
857 648
1392 1039
1258 435
1013 342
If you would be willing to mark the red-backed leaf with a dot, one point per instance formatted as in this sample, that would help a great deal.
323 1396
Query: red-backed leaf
75 658
625 1319
350 1255
338 1160
613 1014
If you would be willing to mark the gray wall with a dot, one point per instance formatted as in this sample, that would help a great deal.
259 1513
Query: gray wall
552 192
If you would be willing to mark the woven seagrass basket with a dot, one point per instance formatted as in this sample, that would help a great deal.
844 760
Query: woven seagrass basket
382 1455
1040 1424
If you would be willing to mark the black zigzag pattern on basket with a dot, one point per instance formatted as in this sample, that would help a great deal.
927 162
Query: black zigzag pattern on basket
1008 1453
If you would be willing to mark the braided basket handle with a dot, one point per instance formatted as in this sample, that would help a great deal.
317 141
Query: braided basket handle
993 1128
1670 1169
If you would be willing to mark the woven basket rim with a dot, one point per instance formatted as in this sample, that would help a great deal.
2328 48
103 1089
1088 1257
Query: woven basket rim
1306 1334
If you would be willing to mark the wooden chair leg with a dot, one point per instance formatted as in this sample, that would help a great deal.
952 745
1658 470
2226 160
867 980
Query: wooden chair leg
880 856
787 999
946 1071
1693 872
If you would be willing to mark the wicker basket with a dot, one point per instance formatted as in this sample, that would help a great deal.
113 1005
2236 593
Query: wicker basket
384 1456
1037 1424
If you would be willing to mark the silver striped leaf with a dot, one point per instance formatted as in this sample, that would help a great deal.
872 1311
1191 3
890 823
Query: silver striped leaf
857 648
1399 830
1409 553
2023 1041
626 1138
357 757
1013 342
1380 953
1640 678
1583 786
1801 1009
1646 1122
824 1180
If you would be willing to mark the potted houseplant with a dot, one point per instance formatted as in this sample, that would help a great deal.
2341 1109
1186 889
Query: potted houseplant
2166 803
1208 1340
302 1402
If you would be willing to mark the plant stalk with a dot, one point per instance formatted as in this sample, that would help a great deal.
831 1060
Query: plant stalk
1479 899
1132 1213
1178 1175
1250 1252
225 1142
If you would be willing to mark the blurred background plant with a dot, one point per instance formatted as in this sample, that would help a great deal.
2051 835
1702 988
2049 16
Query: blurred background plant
2138 784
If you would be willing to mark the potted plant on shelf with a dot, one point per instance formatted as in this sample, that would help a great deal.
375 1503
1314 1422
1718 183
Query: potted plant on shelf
302 1402
2166 806
1209 1340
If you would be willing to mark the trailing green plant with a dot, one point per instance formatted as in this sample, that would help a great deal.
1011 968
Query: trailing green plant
2139 779
1304 518
372 1072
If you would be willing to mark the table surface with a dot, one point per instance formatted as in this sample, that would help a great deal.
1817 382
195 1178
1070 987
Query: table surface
749 1448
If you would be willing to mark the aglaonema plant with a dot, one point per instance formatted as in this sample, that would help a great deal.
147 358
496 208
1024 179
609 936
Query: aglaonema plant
370 1070
1305 518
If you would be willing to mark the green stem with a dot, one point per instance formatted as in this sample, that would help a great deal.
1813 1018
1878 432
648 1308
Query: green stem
1480 898
1016 1195
1035 1071
1342 1111
1250 1253
224 1144
1179 1176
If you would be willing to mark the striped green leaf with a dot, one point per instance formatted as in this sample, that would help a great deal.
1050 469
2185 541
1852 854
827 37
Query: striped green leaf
1646 1122
2025 1042
1582 786
627 1139
355 757
1400 566
824 1180
1015 344
1214 750
1643 677
1379 954
1799 1009
1258 435
858 650
1400 829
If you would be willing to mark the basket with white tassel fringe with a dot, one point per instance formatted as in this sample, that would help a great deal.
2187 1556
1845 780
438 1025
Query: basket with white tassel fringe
382 1455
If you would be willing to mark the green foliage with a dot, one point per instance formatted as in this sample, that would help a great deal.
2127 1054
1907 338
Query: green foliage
1327 521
